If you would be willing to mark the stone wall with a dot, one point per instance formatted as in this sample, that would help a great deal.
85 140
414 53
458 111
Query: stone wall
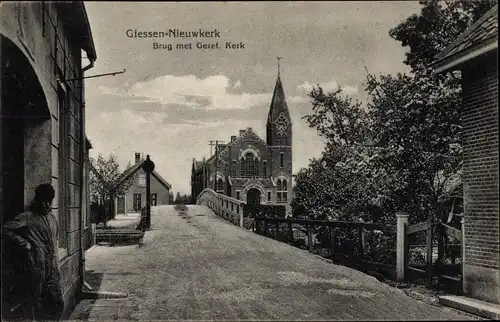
39 32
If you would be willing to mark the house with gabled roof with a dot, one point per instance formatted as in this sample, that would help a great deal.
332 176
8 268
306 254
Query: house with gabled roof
475 54
135 196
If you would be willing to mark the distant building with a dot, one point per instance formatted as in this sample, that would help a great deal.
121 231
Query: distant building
251 169
475 54
42 120
135 198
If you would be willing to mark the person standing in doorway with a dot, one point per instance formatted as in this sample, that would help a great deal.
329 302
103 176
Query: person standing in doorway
32 236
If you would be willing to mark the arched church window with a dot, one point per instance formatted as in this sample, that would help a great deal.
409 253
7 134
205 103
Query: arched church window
250 166
264 169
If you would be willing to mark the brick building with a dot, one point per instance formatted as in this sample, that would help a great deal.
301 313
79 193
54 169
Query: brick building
474 53
251 169
42 119
135 197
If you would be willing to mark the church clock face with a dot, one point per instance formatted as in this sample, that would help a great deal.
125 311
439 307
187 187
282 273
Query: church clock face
281 127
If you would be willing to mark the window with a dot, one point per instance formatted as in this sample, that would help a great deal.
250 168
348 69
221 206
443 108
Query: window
220 185
238 195
249 166
264 169
137 202
282 194
233 169
282 160
141 180
154 199
269 196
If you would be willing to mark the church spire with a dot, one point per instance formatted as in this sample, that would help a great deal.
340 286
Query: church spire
278 65
278 102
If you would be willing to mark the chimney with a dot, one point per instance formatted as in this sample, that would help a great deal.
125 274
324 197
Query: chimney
242 132
233 137
137 158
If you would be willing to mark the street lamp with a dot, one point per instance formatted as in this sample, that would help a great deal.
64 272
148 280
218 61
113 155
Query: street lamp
148 166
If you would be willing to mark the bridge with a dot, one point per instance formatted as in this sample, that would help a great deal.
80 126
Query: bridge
198 265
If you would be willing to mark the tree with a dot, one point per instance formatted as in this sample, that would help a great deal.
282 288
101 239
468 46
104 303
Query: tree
402 151
178 198
337 185
104 182
415 118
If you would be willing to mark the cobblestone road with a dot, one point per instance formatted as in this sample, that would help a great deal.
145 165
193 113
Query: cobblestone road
199 267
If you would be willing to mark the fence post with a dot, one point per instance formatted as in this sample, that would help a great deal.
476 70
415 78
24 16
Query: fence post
290 231
429 253
309 238
93 233
402 222
333 238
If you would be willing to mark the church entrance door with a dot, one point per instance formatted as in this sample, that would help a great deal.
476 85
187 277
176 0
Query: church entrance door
253 197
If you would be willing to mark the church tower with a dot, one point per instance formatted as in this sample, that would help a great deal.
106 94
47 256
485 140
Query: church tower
279 140
279 123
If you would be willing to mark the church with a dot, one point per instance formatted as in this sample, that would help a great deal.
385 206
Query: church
249 168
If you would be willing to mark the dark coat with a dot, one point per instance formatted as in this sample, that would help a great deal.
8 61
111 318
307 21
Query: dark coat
33 279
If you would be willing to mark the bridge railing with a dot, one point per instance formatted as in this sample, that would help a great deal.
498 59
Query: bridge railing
226 207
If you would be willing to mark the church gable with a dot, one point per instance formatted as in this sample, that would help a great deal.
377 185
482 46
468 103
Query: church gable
248 139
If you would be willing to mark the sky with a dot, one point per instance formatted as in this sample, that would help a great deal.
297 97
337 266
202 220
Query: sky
171 103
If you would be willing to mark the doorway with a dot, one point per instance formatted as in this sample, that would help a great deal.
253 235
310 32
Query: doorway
253 197
25 135
25 146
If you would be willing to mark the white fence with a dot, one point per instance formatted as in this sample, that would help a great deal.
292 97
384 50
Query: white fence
226 207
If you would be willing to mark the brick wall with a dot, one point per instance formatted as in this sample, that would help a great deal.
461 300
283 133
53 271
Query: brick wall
480 123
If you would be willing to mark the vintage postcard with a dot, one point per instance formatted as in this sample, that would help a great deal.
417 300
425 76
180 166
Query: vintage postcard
250 160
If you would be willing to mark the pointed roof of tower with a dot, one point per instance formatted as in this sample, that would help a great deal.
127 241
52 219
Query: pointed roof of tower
278 102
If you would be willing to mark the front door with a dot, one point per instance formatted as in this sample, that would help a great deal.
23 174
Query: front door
253 197
154 199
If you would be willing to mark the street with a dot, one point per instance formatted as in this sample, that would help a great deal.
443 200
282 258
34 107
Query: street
199 267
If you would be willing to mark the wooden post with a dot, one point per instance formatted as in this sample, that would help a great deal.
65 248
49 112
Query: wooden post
309 238
333 240
116 206
361 235
462 249
429 253
441 239
125 204
401 253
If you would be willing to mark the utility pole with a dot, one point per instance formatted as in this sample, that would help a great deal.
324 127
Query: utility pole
211 145
216 164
